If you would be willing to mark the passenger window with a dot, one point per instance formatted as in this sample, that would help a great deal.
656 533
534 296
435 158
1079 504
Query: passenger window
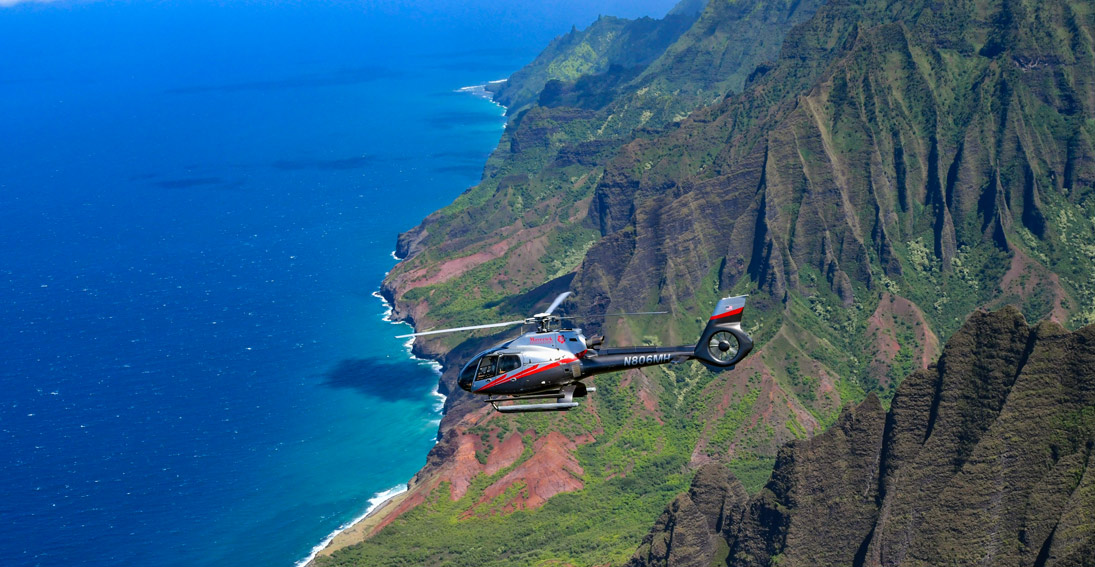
487 367
509 362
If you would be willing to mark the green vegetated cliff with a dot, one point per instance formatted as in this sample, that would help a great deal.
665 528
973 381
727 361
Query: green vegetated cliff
987 458
869 172
607 43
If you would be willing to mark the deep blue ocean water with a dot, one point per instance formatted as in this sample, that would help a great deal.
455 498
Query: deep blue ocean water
197 202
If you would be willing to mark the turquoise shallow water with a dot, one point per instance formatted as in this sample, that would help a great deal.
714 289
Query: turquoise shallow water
197 202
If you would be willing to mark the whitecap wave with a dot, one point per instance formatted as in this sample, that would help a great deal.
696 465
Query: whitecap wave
387 317
409 348
440 405
374 504
482 92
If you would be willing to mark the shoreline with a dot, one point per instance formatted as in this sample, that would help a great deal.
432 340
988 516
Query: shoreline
330 544
434 365
355 530
482 92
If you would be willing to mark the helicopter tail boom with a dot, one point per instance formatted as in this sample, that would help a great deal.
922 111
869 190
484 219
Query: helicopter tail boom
622 358
722 345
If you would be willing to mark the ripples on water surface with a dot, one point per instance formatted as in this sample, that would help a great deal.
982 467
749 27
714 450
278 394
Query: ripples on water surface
196 204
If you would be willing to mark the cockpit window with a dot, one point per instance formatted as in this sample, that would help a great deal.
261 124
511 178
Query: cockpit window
508 362
492 365
487 367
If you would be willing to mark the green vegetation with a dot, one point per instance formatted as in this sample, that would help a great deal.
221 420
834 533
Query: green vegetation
727 427
632 470
583 528
753 472
939 153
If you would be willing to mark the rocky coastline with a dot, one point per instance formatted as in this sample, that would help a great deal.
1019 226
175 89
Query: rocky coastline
455 409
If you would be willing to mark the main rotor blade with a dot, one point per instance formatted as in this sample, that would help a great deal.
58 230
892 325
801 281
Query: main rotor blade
558 300
613 315
471 328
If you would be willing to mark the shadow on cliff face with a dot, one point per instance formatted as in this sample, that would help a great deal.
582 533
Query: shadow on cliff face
385 379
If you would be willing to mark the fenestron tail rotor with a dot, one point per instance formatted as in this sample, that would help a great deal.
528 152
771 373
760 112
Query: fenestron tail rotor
723 346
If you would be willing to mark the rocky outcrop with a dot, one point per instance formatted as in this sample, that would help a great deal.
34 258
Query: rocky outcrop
690 531
680 537
984 458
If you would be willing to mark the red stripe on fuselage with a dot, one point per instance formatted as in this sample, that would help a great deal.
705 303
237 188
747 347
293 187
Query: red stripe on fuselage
505 377
730 313
534 369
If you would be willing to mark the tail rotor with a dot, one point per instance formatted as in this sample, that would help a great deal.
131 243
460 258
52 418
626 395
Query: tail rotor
723 344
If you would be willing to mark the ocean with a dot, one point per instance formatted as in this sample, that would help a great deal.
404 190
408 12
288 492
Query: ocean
198 201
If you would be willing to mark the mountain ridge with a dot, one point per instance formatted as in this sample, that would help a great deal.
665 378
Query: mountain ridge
921 483
888 170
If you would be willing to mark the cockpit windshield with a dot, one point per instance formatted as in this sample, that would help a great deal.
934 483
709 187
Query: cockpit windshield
466 376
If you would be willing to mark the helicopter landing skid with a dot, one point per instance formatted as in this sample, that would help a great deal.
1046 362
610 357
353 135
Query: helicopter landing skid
564 401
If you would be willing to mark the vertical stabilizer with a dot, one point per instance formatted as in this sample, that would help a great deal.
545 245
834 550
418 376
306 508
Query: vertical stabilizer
728 311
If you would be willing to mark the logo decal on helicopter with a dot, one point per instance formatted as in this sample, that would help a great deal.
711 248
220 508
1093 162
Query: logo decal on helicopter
540 340
647 359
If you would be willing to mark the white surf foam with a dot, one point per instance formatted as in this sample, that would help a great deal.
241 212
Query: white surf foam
482 92
409 348
374 504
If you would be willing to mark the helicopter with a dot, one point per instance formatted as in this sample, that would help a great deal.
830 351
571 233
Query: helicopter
551 362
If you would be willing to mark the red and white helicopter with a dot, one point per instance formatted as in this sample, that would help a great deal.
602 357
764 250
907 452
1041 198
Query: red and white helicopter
552 361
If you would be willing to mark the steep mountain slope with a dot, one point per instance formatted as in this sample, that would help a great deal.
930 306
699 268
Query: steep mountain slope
890 173
895 167
985 458
607 42
526 222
